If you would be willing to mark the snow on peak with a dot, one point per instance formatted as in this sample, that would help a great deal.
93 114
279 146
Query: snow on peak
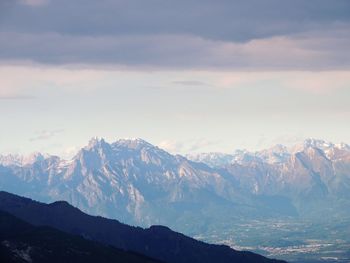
342 146
22 160
133 143
311 143
279 148
11 159
317 143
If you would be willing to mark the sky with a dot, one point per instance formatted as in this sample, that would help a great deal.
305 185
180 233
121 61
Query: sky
189 76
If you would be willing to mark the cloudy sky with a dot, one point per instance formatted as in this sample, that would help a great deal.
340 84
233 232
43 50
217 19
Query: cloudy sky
187 75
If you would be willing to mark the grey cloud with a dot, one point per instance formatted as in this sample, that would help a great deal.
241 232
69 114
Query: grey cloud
178 34
221 20
174 52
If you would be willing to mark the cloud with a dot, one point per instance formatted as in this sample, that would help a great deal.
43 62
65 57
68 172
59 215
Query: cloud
315 82
318 83
34 2
224 20
163 52
35 80
188 146
200 145
288 139
70 152
172 146
189 83
45 135
229 35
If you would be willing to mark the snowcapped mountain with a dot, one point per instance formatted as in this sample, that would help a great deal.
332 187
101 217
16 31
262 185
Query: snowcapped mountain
139 183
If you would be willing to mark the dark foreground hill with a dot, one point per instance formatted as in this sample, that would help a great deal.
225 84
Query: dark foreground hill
156 242
23 242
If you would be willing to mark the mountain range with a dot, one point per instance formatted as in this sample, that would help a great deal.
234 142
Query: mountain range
140 184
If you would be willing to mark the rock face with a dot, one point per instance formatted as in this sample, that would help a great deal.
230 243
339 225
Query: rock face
138 183
157 241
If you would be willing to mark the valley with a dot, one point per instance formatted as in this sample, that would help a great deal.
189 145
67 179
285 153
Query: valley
287 239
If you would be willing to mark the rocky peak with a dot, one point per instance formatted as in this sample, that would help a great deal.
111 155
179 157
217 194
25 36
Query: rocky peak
24 160
316 143
96 144
134 143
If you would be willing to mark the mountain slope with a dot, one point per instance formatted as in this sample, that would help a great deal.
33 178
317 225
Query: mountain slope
157 242
23 242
